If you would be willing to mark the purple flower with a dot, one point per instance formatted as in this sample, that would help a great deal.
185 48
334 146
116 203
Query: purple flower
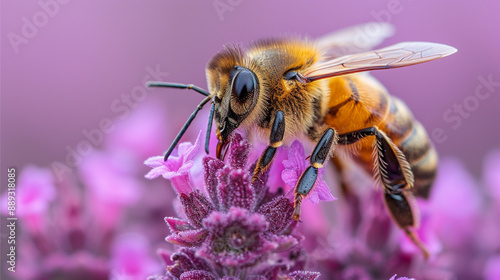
235 227
295 165
176 168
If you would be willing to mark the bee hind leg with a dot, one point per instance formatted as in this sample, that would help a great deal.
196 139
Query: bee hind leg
308 177
275 141
396 177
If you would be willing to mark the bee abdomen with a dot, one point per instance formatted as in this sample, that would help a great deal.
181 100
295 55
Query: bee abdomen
422 158
412 139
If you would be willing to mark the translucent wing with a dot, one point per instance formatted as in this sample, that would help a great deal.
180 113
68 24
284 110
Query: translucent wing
398 55
354 39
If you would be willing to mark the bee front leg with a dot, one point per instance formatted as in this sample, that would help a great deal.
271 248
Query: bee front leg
395 175
275 141
308 177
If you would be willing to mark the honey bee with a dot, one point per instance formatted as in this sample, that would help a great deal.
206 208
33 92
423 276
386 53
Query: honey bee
284 89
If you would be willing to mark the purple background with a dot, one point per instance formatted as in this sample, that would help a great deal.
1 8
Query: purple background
67 76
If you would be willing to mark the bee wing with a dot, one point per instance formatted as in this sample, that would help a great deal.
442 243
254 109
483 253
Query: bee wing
398 55
354 39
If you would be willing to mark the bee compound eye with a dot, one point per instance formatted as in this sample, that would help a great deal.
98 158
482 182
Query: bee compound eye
244 84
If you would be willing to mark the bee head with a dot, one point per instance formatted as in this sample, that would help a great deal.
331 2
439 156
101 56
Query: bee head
236 90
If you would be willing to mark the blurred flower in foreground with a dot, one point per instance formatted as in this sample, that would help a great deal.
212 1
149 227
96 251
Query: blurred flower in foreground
33 198
63 237
80 225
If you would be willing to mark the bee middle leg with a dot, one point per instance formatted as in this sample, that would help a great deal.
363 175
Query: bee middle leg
309 176
275 141
396 178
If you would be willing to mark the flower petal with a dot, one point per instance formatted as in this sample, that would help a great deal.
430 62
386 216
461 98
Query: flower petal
284 242
156 172
238 191
238 151
154 161
176 168
305 275
295 166
211 166
400 278
197 207
188 150
188 238
177 225
198 275
186 260
181 184
278 213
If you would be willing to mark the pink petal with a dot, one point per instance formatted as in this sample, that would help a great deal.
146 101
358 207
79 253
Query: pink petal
295 165
185 167
188 150
156 172
181 184
322 188
154 161
176 168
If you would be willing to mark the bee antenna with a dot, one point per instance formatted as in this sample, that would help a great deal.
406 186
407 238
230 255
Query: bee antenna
185 127
209 127
175 85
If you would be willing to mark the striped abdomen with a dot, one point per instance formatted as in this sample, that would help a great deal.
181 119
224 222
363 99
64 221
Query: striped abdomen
359 101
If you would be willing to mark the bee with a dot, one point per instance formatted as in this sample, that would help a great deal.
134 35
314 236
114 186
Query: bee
284 89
